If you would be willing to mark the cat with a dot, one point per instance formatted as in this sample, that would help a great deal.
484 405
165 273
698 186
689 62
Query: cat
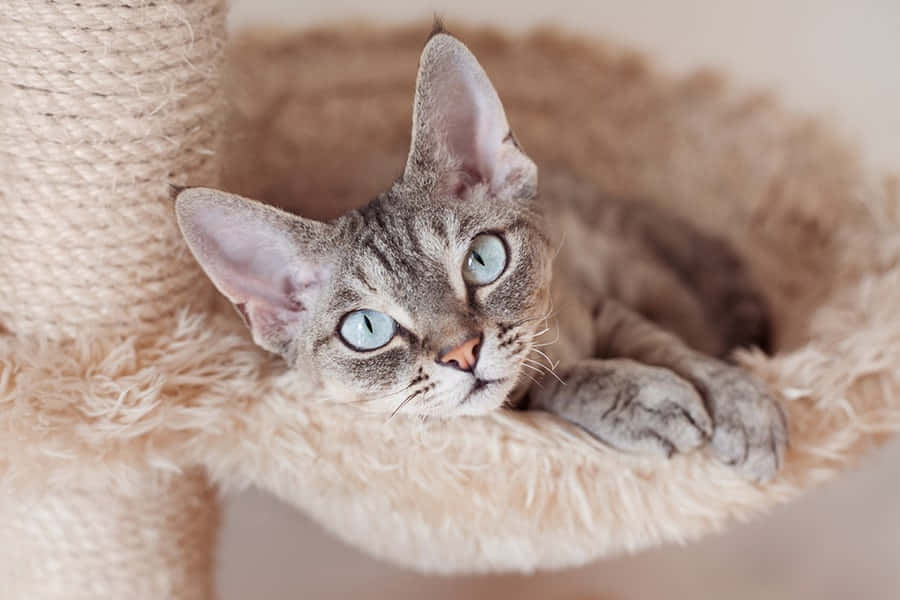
466 287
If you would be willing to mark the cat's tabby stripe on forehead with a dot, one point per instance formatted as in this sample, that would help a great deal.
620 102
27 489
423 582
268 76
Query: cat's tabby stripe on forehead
372 247
361 277
439 226
412 237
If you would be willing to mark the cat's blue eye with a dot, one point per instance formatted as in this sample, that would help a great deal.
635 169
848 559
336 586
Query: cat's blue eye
367 329
485 260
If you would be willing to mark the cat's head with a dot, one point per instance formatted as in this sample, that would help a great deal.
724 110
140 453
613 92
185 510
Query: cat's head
427 299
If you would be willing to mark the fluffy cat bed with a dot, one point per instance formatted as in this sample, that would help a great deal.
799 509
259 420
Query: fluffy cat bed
126 387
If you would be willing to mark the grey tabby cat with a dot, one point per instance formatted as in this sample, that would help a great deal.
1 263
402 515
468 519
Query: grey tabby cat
435 298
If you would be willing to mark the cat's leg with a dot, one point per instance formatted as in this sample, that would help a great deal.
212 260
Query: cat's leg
654 291
706 264
630 406
749 431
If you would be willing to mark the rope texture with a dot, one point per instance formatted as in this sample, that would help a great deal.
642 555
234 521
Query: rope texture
156 542
102 105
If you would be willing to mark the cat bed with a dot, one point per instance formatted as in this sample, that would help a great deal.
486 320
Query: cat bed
127 388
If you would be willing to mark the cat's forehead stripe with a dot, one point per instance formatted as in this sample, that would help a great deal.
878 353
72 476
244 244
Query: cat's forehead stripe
372 248
360 275
413 237
400 259
438 225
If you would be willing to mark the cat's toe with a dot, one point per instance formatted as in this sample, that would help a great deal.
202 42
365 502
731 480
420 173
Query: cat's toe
667 416
750 432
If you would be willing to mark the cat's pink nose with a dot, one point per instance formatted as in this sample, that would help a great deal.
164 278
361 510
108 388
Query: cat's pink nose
464 356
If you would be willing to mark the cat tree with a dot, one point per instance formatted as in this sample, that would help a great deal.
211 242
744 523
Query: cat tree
127 391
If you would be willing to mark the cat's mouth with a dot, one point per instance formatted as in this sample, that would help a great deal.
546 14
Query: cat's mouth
479 385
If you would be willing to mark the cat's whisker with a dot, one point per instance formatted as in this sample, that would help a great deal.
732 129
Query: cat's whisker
562 241
533 380
534 362
523 322
541 371
549 360
538 318
545 321
557 377
402 404
543 344
549 343
537 366
546 316
400 391
406 400
544 368
538 333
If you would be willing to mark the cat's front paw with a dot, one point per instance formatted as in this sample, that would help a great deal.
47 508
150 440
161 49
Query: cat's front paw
663 414
632 407
750 430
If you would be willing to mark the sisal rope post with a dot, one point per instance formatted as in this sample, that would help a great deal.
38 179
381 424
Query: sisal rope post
96 542
103 105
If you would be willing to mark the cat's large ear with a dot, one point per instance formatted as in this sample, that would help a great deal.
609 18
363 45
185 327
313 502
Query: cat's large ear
271 265
459 126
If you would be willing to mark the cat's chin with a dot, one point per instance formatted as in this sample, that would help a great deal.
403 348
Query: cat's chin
476 400
477 407
471 397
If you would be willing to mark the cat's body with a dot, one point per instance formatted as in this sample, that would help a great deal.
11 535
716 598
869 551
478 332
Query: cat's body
688 282
458 289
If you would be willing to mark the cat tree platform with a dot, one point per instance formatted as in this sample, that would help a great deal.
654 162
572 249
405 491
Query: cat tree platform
128 391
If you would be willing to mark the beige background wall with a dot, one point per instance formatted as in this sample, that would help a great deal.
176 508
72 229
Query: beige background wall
838 59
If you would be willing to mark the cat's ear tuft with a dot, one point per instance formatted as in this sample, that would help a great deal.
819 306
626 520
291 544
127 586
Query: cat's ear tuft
459 125
270 264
